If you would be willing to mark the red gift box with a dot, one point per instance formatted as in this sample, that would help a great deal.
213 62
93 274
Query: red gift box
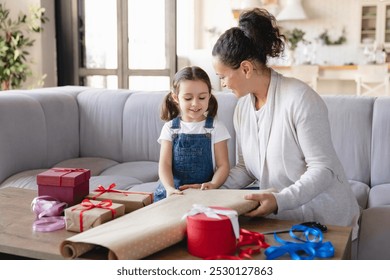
70 185
210 237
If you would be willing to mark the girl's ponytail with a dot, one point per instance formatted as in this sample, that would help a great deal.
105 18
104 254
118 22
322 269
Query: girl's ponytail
169 108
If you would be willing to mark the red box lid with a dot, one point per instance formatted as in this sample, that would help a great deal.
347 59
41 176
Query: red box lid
65 177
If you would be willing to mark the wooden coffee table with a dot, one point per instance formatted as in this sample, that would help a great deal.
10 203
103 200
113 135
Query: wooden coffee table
18 239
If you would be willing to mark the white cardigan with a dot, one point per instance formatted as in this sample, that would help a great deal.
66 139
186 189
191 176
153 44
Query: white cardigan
292 152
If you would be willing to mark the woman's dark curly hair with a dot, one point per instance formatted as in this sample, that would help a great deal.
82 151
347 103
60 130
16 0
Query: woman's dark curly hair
170 109
257 37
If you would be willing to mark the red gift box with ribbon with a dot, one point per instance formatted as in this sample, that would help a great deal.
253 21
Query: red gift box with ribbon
212 231
70 185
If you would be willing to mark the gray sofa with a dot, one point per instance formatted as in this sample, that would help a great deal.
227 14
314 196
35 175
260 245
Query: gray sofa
114 134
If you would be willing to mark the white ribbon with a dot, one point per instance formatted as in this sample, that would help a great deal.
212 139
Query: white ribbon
213 213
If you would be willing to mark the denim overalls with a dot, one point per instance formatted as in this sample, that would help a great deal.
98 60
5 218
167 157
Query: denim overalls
192 161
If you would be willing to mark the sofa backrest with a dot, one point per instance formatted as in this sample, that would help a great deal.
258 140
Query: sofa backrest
142 126
350 120
226 104
101 119
38 128
380 154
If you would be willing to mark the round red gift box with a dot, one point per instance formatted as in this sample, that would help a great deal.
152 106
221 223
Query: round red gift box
207 237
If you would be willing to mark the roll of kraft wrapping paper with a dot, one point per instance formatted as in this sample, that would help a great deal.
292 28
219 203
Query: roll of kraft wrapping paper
153 228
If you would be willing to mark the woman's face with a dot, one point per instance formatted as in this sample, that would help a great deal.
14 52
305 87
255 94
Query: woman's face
193 99
233 79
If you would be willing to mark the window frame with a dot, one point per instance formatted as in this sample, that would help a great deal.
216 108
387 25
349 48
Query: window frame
70 50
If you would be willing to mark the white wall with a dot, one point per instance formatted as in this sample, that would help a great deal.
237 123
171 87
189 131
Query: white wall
331 15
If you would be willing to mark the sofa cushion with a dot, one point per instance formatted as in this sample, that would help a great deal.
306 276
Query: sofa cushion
121 182
380 157
61 123
379 195
226 104
25 179
350 120
95 164
23 134
144 171
361 192
101 119
374 234
142 126
144 187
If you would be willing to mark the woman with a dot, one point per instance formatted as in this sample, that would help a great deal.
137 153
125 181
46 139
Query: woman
282 129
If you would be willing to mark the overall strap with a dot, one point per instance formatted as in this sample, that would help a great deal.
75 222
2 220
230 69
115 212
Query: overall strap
209 126
209 122
175 123
175 127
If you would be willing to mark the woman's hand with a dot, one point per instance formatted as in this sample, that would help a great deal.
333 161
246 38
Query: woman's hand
268 204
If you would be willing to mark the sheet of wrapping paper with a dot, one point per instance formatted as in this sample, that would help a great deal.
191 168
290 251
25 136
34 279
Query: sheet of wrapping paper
152 228
131 200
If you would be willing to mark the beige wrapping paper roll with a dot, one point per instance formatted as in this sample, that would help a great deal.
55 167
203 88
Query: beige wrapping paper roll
153 228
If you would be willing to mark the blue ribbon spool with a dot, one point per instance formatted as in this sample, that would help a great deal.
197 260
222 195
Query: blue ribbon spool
307 248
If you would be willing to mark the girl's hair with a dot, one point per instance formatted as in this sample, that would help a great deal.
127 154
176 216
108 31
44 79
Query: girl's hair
170 109
257 37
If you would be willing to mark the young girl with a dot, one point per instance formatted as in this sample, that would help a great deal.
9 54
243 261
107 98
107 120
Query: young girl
194 150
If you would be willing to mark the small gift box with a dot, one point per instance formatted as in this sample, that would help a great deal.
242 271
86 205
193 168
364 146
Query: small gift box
91 213
70 185
131 200
211 231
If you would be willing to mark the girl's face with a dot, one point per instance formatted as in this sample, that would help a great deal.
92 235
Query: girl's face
193 100
233 79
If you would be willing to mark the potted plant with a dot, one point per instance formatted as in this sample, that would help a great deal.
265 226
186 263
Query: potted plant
14 42
293 38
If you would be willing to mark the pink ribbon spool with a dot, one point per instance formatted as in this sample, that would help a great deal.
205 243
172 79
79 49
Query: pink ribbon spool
48 211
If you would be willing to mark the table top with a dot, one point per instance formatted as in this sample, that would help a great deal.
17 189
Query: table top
340 237
18 238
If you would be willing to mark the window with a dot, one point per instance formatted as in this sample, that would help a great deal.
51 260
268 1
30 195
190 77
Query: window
117 43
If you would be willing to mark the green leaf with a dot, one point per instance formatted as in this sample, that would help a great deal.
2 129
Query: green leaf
14 42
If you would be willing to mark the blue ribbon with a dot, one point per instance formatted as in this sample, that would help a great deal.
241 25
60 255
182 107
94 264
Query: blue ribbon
307 248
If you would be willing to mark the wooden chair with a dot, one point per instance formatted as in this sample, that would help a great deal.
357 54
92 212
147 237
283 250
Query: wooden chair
306 73
372 79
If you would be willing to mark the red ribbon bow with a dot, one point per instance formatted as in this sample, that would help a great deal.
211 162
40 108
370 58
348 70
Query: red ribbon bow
250 238
101 190
246 238
67 171
88 205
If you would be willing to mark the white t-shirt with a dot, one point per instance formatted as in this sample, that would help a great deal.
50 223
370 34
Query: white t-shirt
218 134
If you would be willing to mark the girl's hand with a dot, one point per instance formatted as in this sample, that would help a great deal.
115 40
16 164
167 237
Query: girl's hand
208 186
204 186
173 191
190 186
268 204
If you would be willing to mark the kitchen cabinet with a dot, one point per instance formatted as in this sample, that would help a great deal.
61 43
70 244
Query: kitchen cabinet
375 22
